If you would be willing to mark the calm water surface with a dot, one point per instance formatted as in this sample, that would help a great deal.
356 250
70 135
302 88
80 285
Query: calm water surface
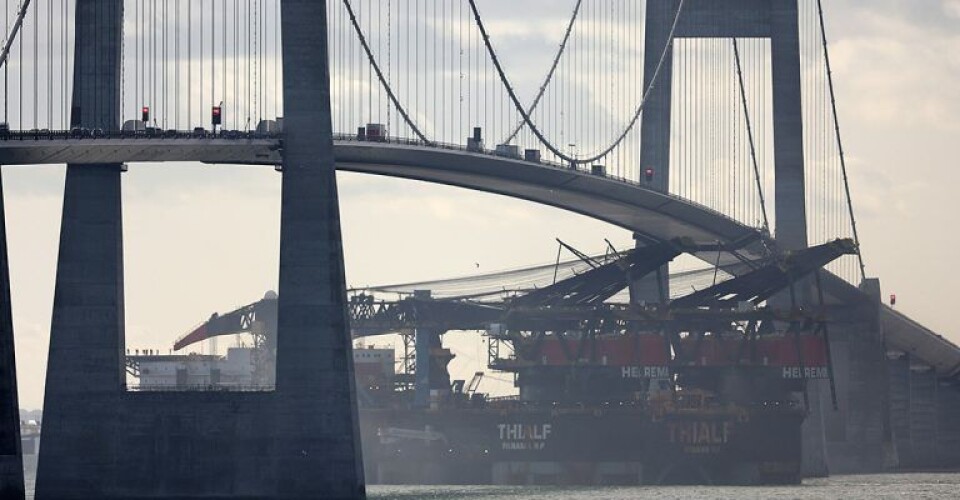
946 485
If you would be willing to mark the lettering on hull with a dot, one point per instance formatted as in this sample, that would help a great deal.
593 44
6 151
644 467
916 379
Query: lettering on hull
700 438
811 372
645 371
524 437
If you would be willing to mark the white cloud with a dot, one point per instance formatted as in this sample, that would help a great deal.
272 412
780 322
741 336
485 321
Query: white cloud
897 75
952 8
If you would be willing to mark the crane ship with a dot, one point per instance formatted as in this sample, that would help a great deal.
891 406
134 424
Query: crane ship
705 388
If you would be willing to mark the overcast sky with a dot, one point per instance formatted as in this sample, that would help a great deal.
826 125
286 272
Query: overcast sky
200 239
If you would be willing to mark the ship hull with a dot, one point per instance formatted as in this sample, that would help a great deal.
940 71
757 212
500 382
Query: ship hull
621 446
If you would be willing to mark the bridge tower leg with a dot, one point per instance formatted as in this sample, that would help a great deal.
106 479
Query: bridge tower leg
655 121
790 196
790 187
860 433
777 20
319 423
655 132
298 441
11 459
85 366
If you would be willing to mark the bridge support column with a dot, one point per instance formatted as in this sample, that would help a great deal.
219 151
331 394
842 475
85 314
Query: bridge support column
655 131
858 434
898 395
813 457
790 196
11 460
298 441
318 428
790 187
85 369
85 366
948 430
923 416
655 121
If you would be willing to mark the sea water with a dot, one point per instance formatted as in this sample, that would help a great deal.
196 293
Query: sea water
892 486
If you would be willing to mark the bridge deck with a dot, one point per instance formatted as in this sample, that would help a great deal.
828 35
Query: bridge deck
56 148
625 204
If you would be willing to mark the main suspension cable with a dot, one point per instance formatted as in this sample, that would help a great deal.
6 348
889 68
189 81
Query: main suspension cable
549 77
526 117
13 34
383 81
836 126
753 150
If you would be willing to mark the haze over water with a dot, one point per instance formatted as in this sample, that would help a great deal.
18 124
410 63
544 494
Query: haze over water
846 487
943 485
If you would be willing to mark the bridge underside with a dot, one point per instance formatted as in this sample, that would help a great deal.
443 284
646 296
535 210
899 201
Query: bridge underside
61 150
11 461
631 206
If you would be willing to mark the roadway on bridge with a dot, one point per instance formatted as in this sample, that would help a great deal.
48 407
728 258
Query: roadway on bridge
629 205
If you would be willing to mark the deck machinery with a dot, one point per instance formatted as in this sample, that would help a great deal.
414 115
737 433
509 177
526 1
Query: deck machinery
707 388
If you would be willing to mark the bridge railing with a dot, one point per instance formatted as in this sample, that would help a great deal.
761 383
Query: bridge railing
200 388
45 134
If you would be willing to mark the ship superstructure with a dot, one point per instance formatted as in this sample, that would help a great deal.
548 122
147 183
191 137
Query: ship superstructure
708 387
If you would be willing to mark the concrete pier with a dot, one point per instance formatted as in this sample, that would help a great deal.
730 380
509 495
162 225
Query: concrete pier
319 430
11 459
858 433
85 370
655 131
297 441
924 411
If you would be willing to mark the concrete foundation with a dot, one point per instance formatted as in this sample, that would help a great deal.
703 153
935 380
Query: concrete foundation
858 433
299 441
924 411
948 424
11 458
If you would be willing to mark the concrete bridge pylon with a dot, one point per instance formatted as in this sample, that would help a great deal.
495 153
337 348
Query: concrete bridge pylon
298 440
856 427
11 458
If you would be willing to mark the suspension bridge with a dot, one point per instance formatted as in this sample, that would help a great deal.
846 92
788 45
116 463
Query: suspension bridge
710 121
